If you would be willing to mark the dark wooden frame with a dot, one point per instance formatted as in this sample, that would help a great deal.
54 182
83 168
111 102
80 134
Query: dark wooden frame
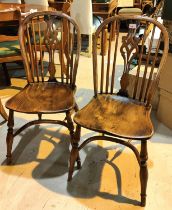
28 48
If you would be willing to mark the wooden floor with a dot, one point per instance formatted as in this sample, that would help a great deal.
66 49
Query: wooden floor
108 180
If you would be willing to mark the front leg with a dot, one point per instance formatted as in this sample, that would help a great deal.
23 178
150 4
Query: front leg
10 136
74 155
143 171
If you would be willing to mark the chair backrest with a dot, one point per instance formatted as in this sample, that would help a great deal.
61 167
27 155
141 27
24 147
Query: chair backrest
157 9
135 60
44 32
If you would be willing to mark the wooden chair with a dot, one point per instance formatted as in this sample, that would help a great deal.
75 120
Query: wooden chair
9 44
122 115
46 91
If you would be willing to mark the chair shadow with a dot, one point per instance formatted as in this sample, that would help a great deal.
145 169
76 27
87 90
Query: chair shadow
86 182
54 164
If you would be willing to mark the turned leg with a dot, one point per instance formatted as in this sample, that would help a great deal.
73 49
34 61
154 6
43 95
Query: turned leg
74 155
77 139
3 112
143 171
78 135
9 139
70 125
7 77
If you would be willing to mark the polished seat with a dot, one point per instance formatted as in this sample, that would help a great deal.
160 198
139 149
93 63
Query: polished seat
116 115
39 98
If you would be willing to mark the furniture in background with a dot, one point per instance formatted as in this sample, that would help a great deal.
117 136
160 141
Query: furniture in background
103 9
81 12
9 48
130 7
46 93
24 8
126 3
38 2
11 1
114 112
9 45
164 112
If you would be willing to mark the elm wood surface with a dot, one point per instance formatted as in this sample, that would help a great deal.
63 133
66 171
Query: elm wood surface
113 110
121 116
39 98
46 92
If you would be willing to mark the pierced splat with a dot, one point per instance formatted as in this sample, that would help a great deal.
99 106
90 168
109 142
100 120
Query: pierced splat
129 51
52 39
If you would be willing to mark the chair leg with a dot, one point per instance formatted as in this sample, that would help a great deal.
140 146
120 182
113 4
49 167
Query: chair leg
78 136
74 155
7 77
76 108
3 112
9 139
70 124
143 171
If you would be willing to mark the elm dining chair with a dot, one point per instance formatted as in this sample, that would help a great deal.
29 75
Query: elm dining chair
121 115
48 91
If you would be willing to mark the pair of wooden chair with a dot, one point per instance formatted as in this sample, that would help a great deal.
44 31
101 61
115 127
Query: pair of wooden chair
119 114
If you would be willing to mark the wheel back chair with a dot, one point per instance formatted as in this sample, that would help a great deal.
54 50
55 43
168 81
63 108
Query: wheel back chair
49 90
120 113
